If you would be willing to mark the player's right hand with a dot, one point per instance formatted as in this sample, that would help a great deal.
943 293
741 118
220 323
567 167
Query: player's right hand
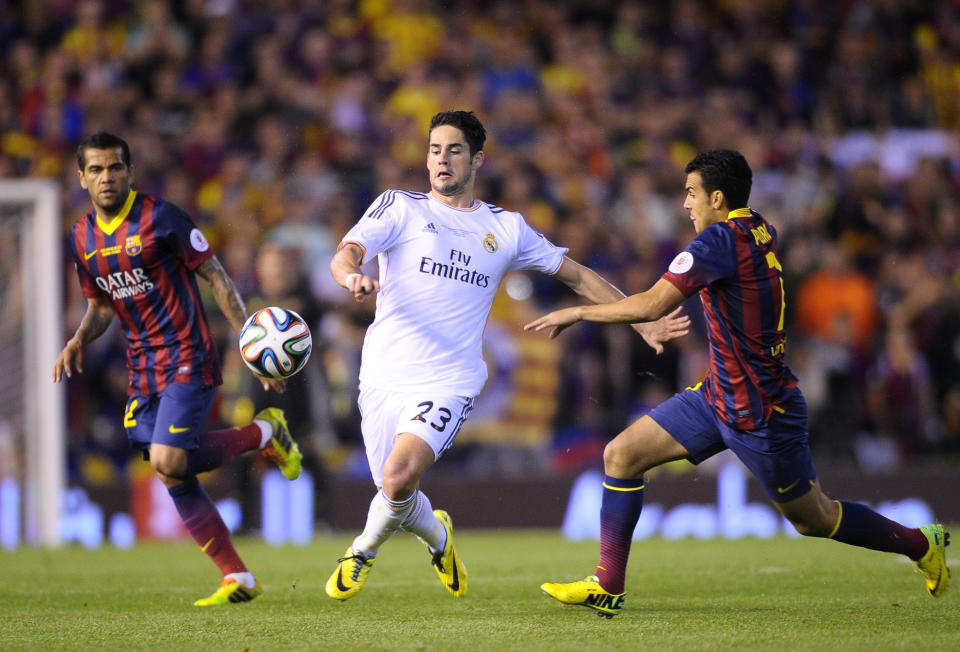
279 385
556 321
362 286
71 357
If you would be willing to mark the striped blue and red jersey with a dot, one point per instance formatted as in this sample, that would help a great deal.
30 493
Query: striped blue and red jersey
143 261
734 266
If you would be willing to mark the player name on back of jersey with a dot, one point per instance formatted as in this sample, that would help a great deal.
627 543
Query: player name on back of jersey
456 268
123 284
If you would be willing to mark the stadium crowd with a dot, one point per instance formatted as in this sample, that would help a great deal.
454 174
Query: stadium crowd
274 123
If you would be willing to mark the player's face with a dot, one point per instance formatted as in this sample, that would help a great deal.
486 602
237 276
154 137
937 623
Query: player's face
107 178
450 164
705 208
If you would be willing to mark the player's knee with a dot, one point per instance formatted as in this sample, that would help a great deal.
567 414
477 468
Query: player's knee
399 483
813 515
168 467
806 528
620 461
811 525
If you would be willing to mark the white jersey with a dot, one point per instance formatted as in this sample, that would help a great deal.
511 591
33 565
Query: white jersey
440 268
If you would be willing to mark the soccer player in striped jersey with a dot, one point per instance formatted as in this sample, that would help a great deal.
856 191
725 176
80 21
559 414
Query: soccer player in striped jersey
137 257
442 255
748 402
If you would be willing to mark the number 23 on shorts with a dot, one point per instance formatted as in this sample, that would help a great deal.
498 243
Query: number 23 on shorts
431 415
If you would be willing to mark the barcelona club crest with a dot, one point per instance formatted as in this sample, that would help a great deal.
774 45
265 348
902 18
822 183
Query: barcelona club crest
133 245
490 243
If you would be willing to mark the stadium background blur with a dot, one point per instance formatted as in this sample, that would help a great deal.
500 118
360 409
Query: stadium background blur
275 124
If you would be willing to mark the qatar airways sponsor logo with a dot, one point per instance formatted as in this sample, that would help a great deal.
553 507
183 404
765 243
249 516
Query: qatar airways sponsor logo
121 285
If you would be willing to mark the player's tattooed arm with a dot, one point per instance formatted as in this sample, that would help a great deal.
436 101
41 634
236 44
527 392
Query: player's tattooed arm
224 292
231 304
95 321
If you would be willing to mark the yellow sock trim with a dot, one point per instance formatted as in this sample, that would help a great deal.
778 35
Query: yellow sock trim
624 488
839 518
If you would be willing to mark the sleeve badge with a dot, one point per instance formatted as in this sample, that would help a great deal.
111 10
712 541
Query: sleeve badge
682 263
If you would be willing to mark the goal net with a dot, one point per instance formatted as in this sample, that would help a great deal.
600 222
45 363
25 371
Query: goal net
32 415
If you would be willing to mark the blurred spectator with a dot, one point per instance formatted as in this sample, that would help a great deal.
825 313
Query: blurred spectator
837 303
899 395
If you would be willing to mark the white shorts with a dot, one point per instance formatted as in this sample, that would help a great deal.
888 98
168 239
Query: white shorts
434 418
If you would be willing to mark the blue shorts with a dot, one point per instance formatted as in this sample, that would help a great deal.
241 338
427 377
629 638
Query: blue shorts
778 454
174 417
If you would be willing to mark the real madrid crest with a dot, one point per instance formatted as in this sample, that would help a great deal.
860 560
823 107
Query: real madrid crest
490 243
133 245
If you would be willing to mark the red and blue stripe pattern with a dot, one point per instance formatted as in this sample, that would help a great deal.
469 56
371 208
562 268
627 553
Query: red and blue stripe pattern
738 275
143 261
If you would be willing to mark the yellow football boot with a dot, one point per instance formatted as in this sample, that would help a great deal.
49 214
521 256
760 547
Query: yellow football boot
933 565
230 591
447 562
281 449
586 593
349 576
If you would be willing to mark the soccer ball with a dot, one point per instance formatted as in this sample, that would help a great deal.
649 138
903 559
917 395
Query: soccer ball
275 342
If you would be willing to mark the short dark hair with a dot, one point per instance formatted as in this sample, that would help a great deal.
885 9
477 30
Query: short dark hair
102 140
725 170
466 122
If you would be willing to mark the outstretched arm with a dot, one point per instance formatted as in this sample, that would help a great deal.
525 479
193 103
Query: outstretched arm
224 292
593 287
95 321
345 269
647 306
231 305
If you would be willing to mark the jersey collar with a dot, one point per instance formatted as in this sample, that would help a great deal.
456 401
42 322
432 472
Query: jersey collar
739 212
476 204
111 226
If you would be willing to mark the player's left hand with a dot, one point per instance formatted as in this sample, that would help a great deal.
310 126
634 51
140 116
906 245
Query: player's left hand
557 321
71 355
276 384
669 327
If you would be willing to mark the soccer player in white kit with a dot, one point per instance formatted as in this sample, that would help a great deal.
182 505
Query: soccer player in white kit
441 257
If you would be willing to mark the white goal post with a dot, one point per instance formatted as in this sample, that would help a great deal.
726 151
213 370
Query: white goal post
43 445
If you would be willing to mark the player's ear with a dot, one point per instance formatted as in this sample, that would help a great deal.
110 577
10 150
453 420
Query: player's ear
130 174
83 180
478 159
717 199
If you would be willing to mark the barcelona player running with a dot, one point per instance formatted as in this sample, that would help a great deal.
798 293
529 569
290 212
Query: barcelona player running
748 402
137 257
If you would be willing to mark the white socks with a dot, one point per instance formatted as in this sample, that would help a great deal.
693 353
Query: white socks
266 432
383 519
415 515
243 579
425 525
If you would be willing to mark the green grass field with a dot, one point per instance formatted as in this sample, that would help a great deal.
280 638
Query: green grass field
682 595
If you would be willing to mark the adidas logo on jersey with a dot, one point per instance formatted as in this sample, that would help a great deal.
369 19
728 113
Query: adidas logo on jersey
430 228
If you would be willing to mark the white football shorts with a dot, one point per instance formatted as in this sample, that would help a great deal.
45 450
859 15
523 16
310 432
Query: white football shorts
435 418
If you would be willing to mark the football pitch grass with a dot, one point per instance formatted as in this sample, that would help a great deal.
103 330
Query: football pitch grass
778 594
